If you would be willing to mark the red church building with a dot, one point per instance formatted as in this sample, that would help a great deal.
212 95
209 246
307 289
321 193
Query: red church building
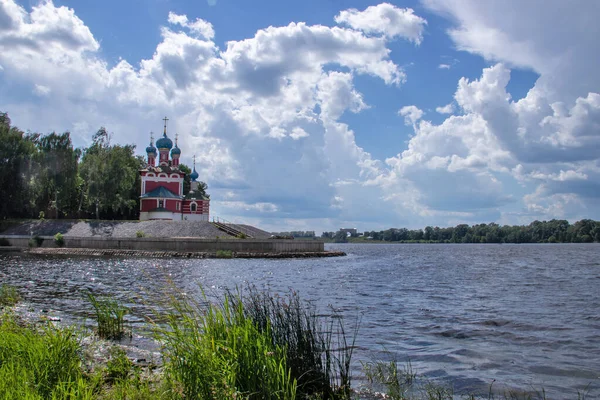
162 186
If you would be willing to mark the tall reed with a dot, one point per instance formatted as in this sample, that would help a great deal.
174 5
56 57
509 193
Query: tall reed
109 315
317 349
216 352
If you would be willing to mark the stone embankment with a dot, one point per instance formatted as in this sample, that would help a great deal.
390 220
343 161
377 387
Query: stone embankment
125 229
175 254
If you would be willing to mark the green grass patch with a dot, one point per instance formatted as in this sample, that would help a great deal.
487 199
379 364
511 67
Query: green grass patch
224 254
217 352
140 234
109 315
9 295
42 364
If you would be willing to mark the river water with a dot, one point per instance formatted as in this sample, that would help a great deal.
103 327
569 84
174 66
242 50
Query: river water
524 316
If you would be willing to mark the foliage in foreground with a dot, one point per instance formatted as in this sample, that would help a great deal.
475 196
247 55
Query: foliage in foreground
256 347
37 365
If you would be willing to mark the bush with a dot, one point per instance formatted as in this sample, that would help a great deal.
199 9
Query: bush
4 242
140 234
109 316
224 254
241 235
59 240
36 241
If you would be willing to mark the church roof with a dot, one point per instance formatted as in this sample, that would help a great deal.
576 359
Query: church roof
195 196
161 192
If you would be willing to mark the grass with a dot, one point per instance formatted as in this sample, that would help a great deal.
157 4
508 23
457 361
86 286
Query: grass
256 346
396 382
224 254
9 295
140 234
39 363
217 352
317 350
34 364
109 316
59 240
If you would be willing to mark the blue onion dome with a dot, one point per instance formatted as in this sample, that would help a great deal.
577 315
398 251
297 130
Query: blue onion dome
151 149
194 175
176 150
164 142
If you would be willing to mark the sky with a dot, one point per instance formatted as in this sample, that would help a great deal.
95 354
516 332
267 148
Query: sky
322 114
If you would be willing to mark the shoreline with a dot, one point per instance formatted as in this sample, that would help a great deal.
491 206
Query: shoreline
87 252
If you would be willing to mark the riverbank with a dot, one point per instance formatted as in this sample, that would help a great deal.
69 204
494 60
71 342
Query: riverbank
166 254
191 239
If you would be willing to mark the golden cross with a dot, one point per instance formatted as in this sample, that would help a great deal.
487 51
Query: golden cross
176 137
151 138
165 119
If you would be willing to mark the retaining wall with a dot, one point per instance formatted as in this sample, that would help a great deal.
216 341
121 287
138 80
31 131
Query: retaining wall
178 244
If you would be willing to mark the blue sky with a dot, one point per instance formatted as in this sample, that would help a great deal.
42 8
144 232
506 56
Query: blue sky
321 114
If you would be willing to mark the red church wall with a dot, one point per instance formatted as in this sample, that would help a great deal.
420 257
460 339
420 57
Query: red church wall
148 204
151 204
202 207
172 186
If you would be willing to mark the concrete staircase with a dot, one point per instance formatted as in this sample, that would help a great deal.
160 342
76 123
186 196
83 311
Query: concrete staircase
231 229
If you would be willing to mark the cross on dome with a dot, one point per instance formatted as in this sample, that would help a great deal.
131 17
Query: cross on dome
165 119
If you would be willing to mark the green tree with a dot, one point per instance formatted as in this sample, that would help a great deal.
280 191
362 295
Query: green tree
340 237
57 183
17 152
112 181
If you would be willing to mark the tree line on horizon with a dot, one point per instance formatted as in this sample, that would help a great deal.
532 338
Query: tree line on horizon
553 231
45 176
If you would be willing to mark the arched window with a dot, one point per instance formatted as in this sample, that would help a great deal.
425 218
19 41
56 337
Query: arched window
150 174
163 175
174 176
193 207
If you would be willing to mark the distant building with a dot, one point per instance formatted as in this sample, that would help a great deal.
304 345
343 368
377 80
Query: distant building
162 186
349 231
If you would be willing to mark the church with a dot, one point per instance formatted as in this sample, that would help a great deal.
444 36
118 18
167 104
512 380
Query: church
162 195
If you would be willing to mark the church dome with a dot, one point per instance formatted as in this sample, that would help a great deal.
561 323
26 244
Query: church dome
151 149
176 150
194 175
164 142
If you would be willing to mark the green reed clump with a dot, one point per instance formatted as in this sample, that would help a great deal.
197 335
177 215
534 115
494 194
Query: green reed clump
37 364
317 349
109 315
9 295
216 352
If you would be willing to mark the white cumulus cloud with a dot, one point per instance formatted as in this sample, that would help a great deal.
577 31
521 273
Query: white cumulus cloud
385 19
